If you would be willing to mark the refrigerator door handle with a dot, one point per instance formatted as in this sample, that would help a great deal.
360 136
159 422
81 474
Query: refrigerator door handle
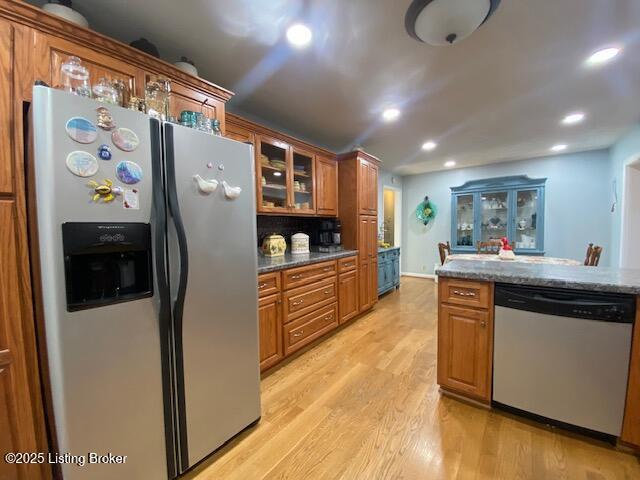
164 293
178 306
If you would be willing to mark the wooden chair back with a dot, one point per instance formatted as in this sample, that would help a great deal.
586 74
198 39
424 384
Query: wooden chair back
593 255
444 249
492 247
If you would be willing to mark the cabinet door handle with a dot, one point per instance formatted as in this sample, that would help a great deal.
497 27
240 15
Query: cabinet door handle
295 277
464 294
483 324
298 334
295 304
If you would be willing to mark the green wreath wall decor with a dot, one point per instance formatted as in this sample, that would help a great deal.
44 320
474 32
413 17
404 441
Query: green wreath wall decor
426 211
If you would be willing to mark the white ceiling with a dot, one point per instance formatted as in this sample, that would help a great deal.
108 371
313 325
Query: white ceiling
498 95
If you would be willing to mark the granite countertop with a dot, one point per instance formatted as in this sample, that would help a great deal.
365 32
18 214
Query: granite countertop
267 264
381 250
601 279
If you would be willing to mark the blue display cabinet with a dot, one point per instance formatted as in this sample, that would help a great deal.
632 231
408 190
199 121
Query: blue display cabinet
493 208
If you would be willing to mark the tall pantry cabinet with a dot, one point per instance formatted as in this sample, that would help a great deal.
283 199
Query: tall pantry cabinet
358 191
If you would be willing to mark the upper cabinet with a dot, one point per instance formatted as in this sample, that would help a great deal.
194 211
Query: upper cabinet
292 177
326 186
511 207
367 187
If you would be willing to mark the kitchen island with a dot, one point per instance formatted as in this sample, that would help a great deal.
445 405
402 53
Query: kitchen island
471 299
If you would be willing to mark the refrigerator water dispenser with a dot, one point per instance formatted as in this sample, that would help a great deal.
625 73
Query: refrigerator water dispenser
106 263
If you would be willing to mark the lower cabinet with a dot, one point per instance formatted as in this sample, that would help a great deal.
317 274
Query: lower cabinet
465 348
270 317
348 295
298 305
388 270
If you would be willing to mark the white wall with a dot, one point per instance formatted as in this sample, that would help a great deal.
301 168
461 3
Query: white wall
578 203
630 254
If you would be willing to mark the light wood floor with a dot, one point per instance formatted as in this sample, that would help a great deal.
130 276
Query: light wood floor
364 404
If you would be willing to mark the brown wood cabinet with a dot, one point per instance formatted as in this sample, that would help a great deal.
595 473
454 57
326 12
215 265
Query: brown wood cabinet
348 295
270 318
465 339
327 186
358 194
631 425
292 177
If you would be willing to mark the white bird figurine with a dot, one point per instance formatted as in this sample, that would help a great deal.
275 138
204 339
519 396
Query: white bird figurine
206 186
231 192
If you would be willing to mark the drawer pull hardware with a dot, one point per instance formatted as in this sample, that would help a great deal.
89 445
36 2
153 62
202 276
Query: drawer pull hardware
300 302
262 285
464 294
295 277
327 292
328 317
347 264
298 334
326 269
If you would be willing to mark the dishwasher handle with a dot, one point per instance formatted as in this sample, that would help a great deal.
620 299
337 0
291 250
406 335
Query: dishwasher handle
616 308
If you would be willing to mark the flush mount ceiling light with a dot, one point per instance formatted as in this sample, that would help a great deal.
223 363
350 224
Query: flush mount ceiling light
450 163
602 56
573 118
430 145
444 22
299 35
390 114
558 148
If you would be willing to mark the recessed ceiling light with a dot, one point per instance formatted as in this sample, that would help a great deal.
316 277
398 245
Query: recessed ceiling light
603 56
390 114
430 145
558 148
450 163
277 174
573 118
299 35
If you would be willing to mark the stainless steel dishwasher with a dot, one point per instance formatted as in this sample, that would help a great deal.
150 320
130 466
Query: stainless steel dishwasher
563 355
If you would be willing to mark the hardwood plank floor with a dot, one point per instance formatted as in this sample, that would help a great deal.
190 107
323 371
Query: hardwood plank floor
364 404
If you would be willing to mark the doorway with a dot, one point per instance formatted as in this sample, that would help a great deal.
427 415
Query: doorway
629 254
391 215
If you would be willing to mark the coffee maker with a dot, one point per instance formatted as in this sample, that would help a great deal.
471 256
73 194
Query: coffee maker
329 236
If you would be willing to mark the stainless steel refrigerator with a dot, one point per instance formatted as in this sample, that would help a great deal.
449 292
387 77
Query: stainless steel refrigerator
147 256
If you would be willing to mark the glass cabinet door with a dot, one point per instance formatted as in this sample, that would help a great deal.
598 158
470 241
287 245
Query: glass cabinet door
302 181
273 178
494 215
526 219
464 221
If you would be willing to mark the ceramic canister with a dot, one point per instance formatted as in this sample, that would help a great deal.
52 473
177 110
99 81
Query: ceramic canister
300 243
274 245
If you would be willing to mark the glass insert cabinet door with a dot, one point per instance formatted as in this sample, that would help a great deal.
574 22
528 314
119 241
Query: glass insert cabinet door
494 215
512 207
273 175
303 185
464 221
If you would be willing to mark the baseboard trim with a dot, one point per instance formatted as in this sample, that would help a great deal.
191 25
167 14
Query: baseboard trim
418 275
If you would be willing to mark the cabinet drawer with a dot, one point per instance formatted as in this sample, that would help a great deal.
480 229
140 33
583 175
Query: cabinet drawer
347 264
306 299
296 277
306 329
268 284
465 292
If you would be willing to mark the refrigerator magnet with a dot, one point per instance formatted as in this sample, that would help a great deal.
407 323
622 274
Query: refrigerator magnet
82 164
130 199
104 191
81 130
129 172
104 152
125 139
105 120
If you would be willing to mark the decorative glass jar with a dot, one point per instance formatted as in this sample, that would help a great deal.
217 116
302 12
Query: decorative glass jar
75 77
103 91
